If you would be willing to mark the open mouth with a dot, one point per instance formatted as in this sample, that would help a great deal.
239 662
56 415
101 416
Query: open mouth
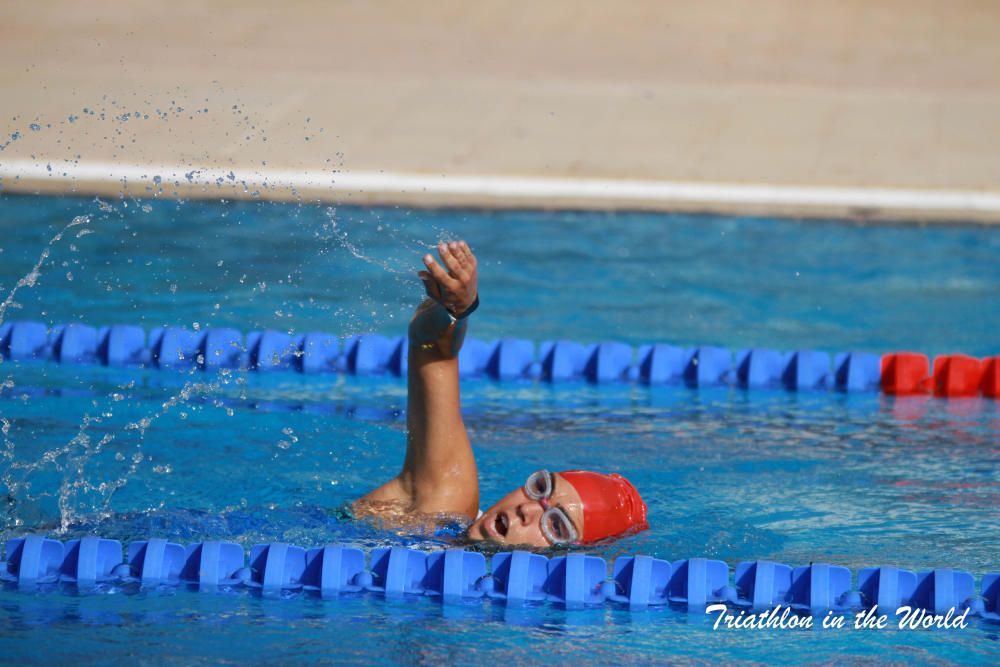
501 524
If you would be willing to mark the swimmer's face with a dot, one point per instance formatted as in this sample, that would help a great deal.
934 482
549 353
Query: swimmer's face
516 519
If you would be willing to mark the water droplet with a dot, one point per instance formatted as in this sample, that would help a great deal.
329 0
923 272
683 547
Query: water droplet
35 127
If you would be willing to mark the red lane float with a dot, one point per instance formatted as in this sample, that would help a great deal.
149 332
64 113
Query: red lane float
957 376
990 382
905 373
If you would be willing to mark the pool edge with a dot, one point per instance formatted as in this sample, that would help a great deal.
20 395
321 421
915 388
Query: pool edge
502 191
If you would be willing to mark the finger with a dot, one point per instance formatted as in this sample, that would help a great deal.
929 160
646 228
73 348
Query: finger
470 259
452 262
439 274
458 253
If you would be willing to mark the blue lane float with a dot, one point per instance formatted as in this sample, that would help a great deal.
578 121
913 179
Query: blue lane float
334 569
564 360
888 587
639 582
156 561
517 576
818 587
763 584
574 580
277 566
90 561
661 364
857 371
707 366
455 574
33 560
696 582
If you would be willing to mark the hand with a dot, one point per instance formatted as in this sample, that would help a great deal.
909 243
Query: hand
454 288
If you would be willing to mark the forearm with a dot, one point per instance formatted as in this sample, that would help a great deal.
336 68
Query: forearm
436 437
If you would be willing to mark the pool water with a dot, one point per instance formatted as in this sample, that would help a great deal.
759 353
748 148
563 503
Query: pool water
852 479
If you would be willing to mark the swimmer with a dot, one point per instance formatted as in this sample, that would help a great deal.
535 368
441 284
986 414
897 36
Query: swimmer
439 474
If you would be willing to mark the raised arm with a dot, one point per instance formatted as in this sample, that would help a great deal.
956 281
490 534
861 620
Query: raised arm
439 471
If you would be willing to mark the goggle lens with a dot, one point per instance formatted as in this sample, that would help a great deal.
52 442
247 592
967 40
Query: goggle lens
539 485
557 527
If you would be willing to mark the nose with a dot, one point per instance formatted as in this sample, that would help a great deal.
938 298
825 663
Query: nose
530 511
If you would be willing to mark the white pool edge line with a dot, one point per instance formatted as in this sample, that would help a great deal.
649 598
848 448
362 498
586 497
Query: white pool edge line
521 188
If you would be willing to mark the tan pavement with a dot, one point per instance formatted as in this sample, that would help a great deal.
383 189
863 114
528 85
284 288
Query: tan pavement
851 95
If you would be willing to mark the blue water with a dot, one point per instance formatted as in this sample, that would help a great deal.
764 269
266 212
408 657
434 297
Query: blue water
857 480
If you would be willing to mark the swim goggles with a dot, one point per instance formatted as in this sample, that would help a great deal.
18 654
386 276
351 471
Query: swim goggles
555 524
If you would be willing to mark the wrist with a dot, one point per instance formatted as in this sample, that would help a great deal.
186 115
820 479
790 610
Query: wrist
468 311
433 327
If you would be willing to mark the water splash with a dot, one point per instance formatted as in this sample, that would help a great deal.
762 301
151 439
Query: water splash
70 460
30 279
336 233
74 487
79 493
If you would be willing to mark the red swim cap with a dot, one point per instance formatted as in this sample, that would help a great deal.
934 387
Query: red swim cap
611 505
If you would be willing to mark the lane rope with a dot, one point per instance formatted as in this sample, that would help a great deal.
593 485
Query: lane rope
575 580
509 359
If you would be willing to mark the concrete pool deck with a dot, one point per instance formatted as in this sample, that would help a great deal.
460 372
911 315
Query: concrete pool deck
882 109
